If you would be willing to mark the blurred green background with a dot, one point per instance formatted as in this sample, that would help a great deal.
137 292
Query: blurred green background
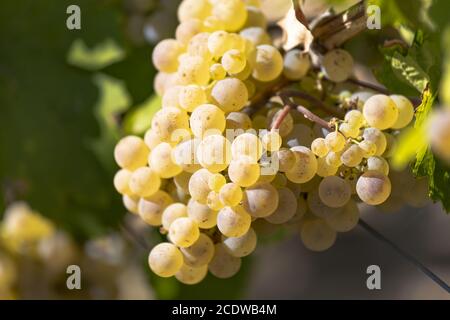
66 96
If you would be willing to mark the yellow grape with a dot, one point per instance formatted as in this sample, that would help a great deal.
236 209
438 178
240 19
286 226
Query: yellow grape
131 153
165 259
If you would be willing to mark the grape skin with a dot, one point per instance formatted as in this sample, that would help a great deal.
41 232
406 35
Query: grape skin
131 153
337 65
200 253
233 221
144 182
287 207
316 235
151 208
296 64
376 136
205 217
241 246
345 220
317 207
198 185
191 275
173 212
230 94
183 232
260 200
223 265
213 153
243 171
305 166
230 194
373 188
405 111
165 55
165 260
268 64
380 112
334 191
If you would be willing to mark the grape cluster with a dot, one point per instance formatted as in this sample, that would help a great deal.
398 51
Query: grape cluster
214 170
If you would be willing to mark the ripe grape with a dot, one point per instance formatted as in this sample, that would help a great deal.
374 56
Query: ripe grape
296 64
376 136
144 182
373 188
378 164
165 55
205 217
131 203
191 275
151 208
324 169
316 235
131 153
305 166
439 133
217 72
243 171
353 156
319 147
213 153
173 212
230 94
190 97
238 120
256 35
193 9
230 194
232 13
345 220
241 246
198 185
165 260
405 111
199 253
234 61
216 182
380 112
167 121
260 200
355 118
335 141
285 158
184 232
300 135
269 63
122 182
247 145
187 29
233 221
162 162
223 265
334 192
193 70
185 155
287 207
207 119
317 207
337 65
271 141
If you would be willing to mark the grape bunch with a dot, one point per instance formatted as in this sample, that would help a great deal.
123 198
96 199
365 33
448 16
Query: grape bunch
233 152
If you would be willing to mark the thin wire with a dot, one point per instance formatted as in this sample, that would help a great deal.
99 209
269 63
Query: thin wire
405 255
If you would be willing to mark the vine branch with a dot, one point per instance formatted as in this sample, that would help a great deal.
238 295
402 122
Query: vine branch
405 255
308 114
299 14
314 101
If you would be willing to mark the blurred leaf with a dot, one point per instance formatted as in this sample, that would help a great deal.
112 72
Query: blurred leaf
47 115
138 121
102 55
137 72
445 84
113 100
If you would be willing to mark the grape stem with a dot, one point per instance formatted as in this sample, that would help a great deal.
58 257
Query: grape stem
264 95
299 13
289 104
313 100
415 100
405 255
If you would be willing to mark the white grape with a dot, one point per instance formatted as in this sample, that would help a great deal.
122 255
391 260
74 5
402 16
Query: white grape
287 207
337 65
131 153
380 112
205 217
241 246
165 260
151 208
334 191
316 235
373 188
233 221
260 200
184 232
296 64
305 166
223 265
173 212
